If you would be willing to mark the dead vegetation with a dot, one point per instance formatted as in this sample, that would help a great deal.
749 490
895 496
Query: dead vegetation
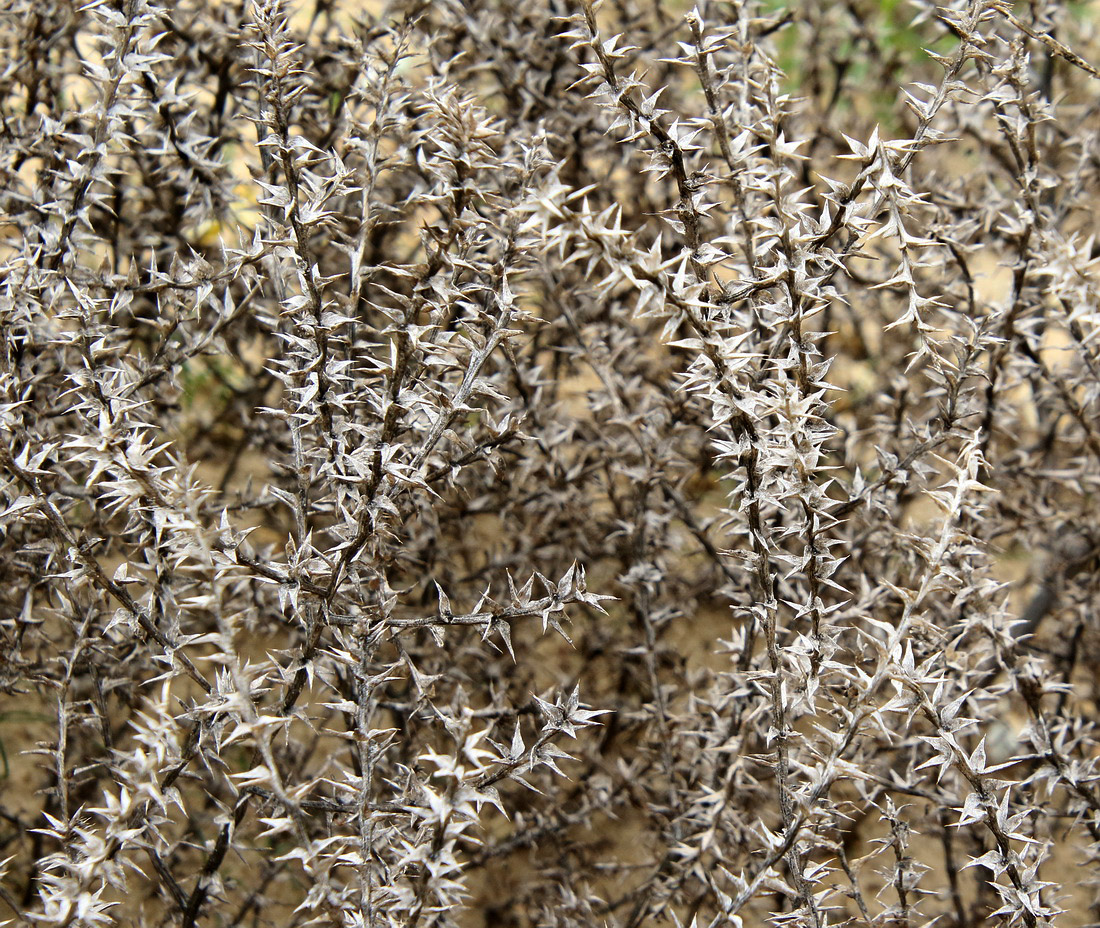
491 463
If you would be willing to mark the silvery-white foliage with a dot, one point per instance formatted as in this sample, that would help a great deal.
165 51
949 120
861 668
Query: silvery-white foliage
549 463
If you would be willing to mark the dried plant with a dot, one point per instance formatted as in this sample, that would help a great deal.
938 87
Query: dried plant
549 463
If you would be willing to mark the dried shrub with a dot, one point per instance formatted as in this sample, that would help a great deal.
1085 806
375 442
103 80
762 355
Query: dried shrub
546 464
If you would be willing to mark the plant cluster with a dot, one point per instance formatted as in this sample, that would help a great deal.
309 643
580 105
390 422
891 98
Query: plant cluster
549 463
